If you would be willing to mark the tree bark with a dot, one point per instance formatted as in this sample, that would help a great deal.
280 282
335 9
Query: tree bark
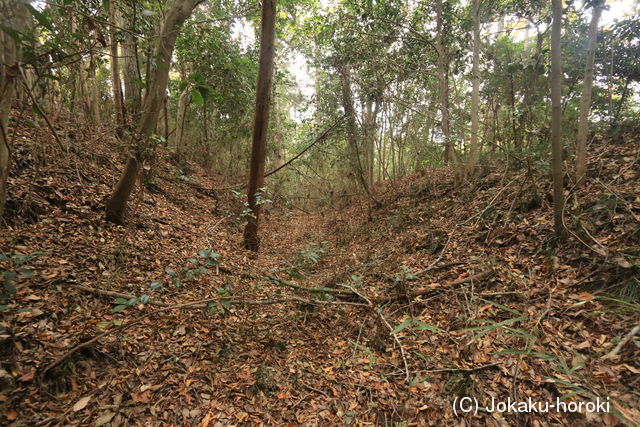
118 105
166 41
352 131
475 93
556 118
131 75
185 96
443 81
277 135
585 100
261 123
14 15
94 94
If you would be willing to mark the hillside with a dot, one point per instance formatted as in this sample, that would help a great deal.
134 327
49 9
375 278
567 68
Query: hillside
476 298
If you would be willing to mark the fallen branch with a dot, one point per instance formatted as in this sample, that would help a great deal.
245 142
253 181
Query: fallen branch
632 333
427 291
378 312
324 290
114 294
477 368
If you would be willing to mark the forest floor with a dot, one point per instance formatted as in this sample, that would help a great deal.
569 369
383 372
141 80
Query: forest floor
502 311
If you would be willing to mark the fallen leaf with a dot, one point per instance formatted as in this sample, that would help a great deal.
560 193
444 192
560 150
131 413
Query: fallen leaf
81 404
11 415
28 376
104 419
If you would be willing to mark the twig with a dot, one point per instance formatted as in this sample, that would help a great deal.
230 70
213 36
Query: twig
378 311
632 333
322 136
426 291
407 374
477 368
312 290
40 110
308 387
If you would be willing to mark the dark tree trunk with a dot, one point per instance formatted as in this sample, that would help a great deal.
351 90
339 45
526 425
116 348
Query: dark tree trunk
14 15
261 123
118 104
556 119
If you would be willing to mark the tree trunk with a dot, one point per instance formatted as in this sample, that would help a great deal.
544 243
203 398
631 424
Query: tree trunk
94 95
165 110
118 105
585 100
443 81
14 15
185 96
166 41
131 76
205 130
261 123
475 94
556 118
277 136
352 132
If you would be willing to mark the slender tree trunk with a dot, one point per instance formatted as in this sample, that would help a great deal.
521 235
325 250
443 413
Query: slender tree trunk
556 118
14 15
118 104
623 98
443 80
205 129
585 100
166 41
277 135
475 94
352 131
94 95
261 123
185 96
165 109
131 76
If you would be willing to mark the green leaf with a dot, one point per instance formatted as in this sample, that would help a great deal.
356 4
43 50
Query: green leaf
132 301
402 326
204 253
170 272
503 307
10 275
9 288
4 307
193 261
118 308
196 97
512 351
27 273
421 326
144 299
121 300
155 285
196 77
42 18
